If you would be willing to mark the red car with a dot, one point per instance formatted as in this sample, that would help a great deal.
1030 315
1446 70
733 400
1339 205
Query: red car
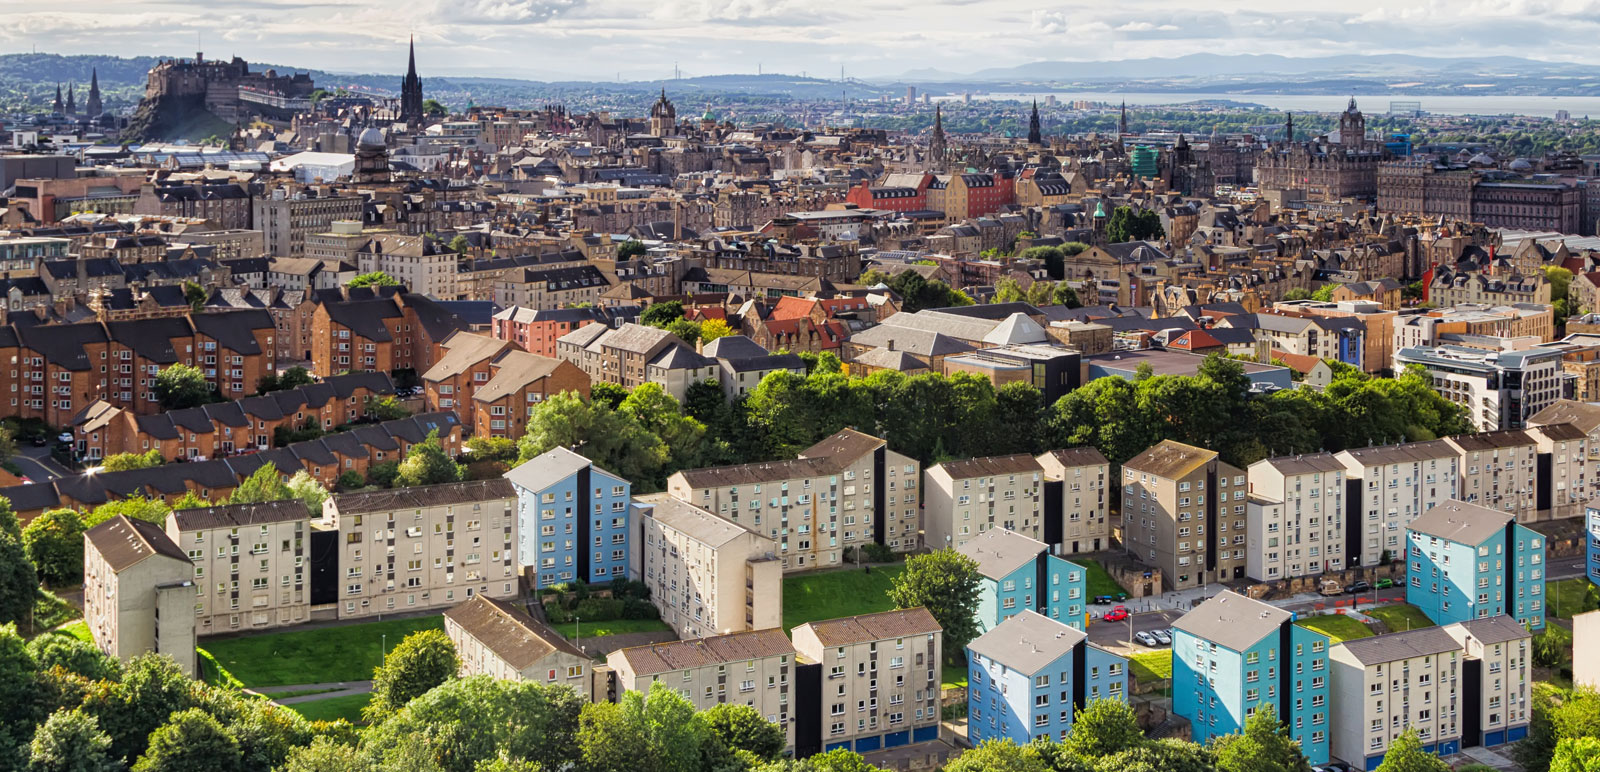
1117 614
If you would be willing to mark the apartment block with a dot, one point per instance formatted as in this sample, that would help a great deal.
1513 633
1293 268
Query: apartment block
250 564
1075 485
1020 574
1027 678
1386 487
751 668
1591 521
432 546
498 639
880 677
1297 528
963 499
707 575
1183 511
138 592
1233 655
1499 389
1496 680
1499 470
572 519
1387 684
845 491
1468 562
1564 475
287 217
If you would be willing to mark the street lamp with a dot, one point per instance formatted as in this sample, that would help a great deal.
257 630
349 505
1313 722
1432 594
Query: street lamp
577 632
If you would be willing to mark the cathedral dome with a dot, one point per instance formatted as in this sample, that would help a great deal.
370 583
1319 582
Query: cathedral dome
371 137
1521 165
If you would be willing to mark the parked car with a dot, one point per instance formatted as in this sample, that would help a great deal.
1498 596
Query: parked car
1331 588
1355 587
1146 638
1117 614
65 438
1163 636
1383 584
39 440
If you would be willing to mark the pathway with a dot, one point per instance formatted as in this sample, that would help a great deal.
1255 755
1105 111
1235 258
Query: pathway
335 689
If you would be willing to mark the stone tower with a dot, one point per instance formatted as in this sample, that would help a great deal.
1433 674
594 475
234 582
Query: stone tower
937 149
1352 126
92 105
72 102
1288 127
1035 135
58 107
411 93
663 117
1122 124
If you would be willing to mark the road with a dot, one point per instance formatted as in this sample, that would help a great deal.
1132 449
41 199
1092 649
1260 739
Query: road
1117 635
37 464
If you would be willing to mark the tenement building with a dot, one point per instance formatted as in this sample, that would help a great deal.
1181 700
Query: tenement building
250 563
1183 511
707 575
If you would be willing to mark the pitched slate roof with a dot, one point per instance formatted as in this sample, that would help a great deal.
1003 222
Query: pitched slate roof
1233 620
1028 642
1393 647
705 652
510 632
125 542
1461 522
874 627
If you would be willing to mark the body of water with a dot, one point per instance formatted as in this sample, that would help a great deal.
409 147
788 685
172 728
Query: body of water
1543 106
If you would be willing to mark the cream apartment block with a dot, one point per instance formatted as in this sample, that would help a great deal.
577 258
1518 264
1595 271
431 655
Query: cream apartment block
138 592
962 499
1388 487
1497 678
1307 535
1499 470
1075 485
845 491
424 547
1183 511
498 639
1386 684
880 676
250 564
1568 485
421 268
707 575
752 668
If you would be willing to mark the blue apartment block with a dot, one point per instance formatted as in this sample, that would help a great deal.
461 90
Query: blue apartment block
572 519
1028 676
1465 561
1020 574
1232 656
1591 520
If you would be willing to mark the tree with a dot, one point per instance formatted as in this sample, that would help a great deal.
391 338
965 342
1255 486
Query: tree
426 463
122 462
1405 754
460 244
741 727
19 687
309 490
422 661
133 507
196 295
432 107
190 500
1008 290
630 249
1054 260
662 314
946 583
263 485
465 721
609 438
1558 714
1265 745
1576 754
999 756
687 331
373 279
485 448
1040 293
1323 294
1102 728
1159 756
70 741
386 408
1129 225
130 709
711 329
295 377
504 764
383 473
654 732
326 755
180 386
19 583
606 393
1297 293
190 741
1065 295
57 649
54 544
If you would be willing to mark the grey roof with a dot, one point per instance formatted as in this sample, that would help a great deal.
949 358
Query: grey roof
999 552
1584 415
688 519
423 496
510 632
1027 642
1020 463
1406 453
546 469
1493 630
874 627
734 347
1232 620
1394 647
123 542
1306 464
237 515
1461 522
704 652
1073 457
898 360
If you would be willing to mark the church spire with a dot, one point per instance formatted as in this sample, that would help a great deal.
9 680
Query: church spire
936 145
1288 127
58 107
72 102
92 105
1035 133
411 92
1122 124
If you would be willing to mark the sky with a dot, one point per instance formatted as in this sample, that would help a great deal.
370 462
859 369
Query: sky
645 39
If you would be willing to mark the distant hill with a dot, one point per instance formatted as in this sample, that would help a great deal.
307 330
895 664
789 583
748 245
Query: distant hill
1218 65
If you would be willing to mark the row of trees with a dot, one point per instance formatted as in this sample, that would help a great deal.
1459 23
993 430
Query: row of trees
66 707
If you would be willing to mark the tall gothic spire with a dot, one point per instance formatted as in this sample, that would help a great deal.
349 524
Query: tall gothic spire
1122 124
411 92
72 102
92 105
58 107
937 149
1288 127
1035 134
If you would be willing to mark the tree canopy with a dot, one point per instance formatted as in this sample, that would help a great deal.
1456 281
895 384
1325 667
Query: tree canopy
945 582
373 279
182 386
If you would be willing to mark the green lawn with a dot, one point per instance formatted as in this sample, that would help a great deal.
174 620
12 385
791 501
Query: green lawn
1399 617
955 677
837 594
1150 666
614 627
1566 597
347 707
301 693
1336 626
78 629
1099 582
345 653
